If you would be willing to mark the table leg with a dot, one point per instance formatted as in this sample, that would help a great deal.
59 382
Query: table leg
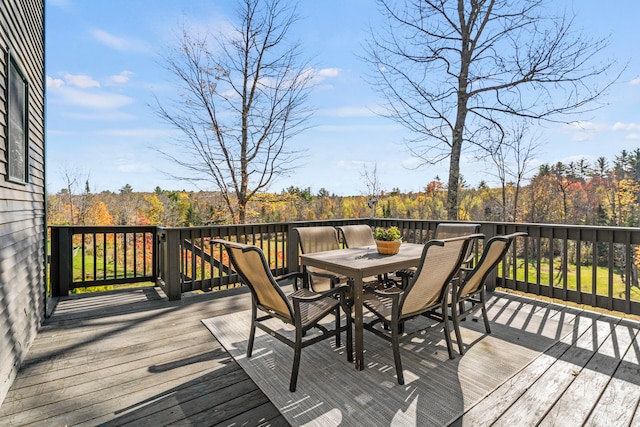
358 322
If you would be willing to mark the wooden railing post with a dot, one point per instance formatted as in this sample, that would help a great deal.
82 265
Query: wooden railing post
61 261
169 256
293 263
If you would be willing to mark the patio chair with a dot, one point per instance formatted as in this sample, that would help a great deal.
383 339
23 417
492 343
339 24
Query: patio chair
472 287
426 292
303 308
359 235
447 230
318 239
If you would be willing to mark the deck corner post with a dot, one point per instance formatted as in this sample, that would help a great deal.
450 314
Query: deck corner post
169 260
61 261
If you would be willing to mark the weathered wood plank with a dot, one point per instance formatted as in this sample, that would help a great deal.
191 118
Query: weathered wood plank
574 406
208 391
533 405
619 401
117 357
263 415
43 388
137 360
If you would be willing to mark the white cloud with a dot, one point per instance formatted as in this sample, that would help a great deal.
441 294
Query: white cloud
95 100
141 133
119 79
633 137
328 72
359 111
586 126
99 116
347 112
626 126
54 83
80 80
358 128
635 81
321 75
119 43
581 136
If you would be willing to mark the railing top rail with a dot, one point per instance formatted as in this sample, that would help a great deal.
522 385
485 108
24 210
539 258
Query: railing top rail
104 228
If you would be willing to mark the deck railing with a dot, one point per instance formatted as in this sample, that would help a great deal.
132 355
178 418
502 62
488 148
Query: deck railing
97 256
595 266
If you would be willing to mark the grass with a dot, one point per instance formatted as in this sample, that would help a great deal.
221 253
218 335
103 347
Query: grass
586 278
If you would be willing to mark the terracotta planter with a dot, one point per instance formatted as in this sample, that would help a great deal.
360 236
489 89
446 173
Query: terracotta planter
388 247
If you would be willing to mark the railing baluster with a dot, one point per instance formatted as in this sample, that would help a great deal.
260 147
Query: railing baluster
612 250
612 256
627 276
579 268
565 261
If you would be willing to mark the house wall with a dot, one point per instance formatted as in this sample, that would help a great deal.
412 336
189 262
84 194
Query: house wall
22 206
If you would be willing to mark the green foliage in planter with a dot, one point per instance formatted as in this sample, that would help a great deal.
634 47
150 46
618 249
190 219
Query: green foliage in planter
386 234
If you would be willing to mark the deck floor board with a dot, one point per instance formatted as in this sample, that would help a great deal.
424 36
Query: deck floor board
132 357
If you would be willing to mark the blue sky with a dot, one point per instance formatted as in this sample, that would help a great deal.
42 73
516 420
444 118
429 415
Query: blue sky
104 68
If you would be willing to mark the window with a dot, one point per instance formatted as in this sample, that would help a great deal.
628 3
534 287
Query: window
17 111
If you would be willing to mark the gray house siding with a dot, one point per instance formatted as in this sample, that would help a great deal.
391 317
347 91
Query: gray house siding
22 204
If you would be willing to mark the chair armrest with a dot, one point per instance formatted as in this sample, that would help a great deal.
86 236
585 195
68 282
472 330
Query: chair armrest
320 295
389 292
294 275
334 279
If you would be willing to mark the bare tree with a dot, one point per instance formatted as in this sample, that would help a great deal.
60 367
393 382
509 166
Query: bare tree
374 187
450 70
70 177
511 163
243 98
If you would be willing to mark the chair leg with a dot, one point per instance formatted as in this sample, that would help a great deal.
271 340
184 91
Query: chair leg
338 326
297 353
447 331
252 332
485 316
349 338
456 327
395 343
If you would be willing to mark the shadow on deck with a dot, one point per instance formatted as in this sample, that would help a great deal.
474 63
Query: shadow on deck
133 358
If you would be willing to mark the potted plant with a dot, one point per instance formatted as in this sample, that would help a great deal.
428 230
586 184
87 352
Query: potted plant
387 240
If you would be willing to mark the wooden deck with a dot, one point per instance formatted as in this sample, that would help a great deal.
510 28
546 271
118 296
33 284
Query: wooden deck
134 358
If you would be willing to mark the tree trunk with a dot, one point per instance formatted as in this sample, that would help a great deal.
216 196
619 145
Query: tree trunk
454 179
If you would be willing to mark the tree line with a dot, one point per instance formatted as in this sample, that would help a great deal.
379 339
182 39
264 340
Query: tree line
494 67
606 193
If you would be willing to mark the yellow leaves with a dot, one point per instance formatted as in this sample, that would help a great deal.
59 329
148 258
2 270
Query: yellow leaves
99 214
154 211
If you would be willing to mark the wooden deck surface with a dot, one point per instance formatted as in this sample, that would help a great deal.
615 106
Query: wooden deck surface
133 358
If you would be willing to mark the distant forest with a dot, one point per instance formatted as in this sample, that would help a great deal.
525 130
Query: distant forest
604 193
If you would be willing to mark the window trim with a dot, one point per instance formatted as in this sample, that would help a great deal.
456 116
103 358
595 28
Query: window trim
13 66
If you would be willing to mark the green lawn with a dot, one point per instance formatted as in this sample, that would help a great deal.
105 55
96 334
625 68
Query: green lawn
586 278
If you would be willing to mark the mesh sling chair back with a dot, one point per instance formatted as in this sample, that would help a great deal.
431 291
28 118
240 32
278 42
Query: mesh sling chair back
319 239
447 230
303 308
471 288
360 235
426 292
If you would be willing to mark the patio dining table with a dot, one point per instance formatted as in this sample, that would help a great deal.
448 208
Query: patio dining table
358 263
